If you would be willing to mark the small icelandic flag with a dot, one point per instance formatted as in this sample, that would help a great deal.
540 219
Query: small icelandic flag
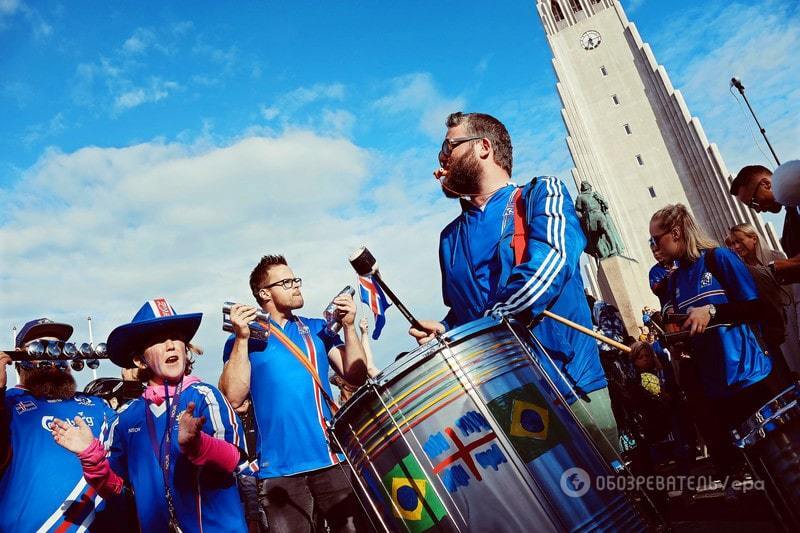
372 295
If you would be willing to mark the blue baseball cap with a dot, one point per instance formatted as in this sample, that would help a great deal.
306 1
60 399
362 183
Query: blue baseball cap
42 327
154 318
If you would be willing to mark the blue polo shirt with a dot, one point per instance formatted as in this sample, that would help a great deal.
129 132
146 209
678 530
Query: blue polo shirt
205 498
729 359
43 488
289 411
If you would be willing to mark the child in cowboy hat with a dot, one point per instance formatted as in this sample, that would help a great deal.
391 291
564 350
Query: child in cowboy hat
182 478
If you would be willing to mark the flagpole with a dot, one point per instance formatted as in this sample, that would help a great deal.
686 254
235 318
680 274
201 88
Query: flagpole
91 342
14 344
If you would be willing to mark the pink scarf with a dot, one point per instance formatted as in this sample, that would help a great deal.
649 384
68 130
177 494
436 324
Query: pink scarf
155 393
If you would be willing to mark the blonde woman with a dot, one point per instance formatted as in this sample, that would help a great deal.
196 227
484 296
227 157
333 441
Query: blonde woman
712 283
782 335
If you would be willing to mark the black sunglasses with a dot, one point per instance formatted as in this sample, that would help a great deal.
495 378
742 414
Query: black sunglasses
656 239
448 145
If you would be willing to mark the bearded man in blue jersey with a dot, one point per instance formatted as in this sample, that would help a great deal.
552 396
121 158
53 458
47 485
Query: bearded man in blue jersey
41 484
299 475
481 276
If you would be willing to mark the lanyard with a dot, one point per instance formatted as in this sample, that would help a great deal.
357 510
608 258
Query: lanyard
301 357
165 442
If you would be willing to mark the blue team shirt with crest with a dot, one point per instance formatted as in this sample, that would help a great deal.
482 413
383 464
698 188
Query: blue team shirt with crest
43 488
728 358
205 498
289 411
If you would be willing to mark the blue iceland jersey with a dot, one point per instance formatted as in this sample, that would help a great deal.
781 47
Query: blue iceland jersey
728 358
205 498
43 488
289 411
479 275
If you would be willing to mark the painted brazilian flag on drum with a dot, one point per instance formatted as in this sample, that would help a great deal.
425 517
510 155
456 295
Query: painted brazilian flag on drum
413 499
528 421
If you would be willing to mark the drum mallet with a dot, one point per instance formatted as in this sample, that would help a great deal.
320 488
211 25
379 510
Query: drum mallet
365 264
587 331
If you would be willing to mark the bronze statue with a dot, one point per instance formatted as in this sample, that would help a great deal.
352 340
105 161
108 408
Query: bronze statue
602 238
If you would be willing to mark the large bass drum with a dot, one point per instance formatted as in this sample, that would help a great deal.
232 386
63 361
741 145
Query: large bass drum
467 433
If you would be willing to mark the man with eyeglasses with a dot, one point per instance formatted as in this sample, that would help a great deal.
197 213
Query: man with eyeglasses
482 274
299 475
753 187
42 487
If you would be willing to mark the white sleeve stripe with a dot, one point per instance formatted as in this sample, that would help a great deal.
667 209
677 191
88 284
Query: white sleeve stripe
110 436
693 299
553 262
536 276
234 423
59 513
213 411
562 259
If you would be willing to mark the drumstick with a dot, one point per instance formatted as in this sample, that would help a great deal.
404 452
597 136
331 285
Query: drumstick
587 331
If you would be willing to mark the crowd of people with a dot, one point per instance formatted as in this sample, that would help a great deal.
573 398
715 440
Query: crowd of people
252 451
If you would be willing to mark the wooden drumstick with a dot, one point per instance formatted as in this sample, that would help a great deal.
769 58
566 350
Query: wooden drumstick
587 331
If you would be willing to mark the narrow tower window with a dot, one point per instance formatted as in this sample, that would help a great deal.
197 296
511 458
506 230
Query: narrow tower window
627 128
640 160
556 9
603 70
615 99
575 5
652 192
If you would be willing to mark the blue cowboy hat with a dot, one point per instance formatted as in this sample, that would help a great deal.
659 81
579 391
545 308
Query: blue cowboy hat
156 317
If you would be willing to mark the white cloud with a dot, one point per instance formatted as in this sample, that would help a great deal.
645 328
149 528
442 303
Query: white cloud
337 122
158 90
100 230
633 5
756 43
40 28
417 93
44 130
269 112
9 7
137 43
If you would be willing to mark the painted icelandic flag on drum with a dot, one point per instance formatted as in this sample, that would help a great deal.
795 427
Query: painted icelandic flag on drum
413 499
529 421
372 295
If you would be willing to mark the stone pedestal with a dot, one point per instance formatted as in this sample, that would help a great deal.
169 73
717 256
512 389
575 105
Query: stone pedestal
620 283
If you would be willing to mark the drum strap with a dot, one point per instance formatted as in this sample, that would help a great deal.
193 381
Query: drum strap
519 241
301 357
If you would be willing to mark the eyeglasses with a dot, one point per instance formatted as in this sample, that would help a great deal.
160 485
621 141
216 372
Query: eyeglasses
448 145
288 283
654 240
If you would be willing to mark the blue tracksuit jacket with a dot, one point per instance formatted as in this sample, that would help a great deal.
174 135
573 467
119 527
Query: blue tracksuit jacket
479 276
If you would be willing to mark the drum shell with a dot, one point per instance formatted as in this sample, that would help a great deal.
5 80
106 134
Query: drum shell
770 440
452 416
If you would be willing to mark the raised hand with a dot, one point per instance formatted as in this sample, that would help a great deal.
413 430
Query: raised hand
363 325
189 430
5 359
75 438
345 309
241 316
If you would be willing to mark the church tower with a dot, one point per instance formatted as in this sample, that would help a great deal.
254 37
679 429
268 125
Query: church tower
630 132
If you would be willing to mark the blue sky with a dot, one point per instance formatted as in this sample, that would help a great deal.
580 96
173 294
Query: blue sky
148 149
